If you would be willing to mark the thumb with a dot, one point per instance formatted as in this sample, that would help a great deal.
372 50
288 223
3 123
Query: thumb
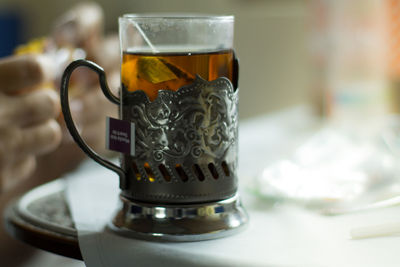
18 73
81 26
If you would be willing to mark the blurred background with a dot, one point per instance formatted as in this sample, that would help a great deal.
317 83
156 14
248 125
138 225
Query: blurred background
270 39
339 57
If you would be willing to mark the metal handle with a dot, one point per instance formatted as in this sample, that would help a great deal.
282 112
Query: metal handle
67 113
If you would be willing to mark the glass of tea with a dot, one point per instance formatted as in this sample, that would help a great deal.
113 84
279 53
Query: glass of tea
177 130
167 52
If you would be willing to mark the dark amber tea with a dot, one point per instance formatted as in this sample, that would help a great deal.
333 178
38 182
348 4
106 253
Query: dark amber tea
151 72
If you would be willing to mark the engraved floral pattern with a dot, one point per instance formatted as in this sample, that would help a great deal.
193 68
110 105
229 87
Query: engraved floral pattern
198 121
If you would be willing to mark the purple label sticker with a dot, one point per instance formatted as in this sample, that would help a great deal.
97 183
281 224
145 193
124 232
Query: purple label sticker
120 136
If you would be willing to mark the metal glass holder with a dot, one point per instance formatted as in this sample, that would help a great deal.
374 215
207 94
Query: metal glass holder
179 222
182 183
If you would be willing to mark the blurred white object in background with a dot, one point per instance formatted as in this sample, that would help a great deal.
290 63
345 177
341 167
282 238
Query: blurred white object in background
337 170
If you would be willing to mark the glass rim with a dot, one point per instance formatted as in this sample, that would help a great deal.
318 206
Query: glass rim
176 16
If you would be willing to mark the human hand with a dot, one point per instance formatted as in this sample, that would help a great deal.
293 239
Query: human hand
28 112
81 28
30 135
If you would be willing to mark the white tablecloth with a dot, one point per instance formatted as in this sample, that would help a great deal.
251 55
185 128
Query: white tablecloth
277 235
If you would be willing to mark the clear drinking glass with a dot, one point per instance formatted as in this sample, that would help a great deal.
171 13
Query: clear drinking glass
167 52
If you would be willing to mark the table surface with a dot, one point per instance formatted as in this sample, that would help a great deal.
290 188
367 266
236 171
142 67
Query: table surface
42 219
279 234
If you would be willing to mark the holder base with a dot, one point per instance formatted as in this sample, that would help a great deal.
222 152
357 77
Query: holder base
179 223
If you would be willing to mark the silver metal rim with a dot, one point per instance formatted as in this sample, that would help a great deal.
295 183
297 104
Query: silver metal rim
179 223
177 16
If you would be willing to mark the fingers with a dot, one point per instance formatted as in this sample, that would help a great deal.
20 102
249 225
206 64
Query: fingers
40 139
94 133
16 171
28 109
18 73
80 27
89 113
91 106
37 140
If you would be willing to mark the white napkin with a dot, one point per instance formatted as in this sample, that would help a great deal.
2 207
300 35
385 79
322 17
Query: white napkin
92 193
277 235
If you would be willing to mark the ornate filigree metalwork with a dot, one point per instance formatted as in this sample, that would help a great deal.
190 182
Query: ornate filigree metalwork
195 126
